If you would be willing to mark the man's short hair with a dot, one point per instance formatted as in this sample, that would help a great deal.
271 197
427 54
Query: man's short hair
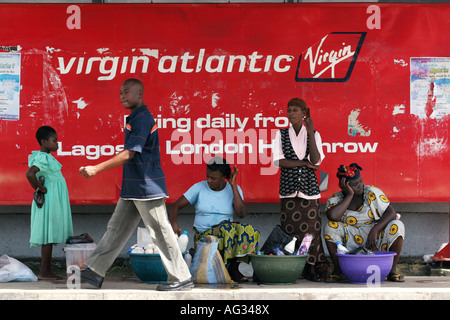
134 81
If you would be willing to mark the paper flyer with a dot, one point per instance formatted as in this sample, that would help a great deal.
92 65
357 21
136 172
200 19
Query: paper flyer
430 87
9 86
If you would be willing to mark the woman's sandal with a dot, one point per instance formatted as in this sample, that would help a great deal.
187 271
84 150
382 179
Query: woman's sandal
239 278
396 277
334 278
315 277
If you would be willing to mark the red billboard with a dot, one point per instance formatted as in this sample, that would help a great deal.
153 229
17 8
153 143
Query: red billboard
217 79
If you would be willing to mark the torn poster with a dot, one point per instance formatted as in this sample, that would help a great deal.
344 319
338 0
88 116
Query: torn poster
430 87
9 86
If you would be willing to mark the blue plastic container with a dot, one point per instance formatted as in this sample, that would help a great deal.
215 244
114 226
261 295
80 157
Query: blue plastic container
148 267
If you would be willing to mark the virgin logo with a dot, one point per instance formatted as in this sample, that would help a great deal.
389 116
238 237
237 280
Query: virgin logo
331 59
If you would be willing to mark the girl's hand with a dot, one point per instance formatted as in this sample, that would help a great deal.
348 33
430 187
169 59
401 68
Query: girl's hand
43 189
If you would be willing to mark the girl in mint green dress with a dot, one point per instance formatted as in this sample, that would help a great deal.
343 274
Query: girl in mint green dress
52 223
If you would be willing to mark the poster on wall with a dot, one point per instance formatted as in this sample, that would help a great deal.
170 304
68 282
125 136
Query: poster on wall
217 80
9 86
430 87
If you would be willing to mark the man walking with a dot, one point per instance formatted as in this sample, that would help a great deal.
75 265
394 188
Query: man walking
142 196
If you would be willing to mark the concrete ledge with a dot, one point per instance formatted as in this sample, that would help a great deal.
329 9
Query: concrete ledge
414 288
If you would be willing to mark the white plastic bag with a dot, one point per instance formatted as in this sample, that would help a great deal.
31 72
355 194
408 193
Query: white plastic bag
143 237
14 270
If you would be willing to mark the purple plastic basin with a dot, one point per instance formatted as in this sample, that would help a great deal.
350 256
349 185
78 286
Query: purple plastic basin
359 268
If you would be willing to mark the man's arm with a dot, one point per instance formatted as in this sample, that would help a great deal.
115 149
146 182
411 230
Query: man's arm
116 161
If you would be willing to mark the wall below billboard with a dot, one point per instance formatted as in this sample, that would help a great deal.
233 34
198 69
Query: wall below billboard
217 80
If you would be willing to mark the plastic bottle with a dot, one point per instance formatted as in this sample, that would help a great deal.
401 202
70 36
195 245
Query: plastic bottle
304 246
290 247
188 259
340 248
279 252
183 241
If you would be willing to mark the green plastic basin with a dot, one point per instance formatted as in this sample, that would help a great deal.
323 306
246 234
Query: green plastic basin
278 269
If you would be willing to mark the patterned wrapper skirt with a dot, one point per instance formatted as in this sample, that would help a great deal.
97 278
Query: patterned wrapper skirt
301 216
235 240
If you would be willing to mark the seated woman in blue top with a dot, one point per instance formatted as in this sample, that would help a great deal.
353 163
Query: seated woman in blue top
216 201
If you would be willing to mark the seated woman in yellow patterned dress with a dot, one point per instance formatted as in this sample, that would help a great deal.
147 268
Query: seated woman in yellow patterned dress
361 215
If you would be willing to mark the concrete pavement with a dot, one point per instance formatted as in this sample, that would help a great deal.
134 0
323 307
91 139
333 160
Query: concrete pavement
129 288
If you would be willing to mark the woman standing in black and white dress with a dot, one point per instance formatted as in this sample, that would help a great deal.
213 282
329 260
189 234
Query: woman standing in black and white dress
298 152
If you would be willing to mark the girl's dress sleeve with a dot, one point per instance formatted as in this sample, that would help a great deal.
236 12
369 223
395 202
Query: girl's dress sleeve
44 161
